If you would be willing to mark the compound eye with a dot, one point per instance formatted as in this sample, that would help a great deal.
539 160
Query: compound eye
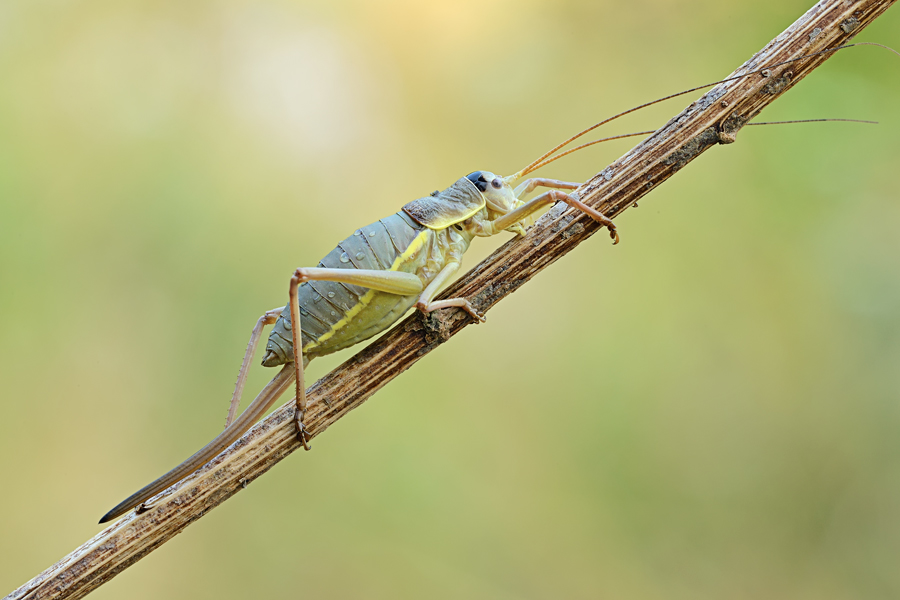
478 179
497 183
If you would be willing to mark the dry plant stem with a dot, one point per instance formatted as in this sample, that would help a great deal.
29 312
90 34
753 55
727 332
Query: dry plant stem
715 118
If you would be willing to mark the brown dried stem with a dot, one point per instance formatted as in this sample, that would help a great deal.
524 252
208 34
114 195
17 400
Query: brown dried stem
713 119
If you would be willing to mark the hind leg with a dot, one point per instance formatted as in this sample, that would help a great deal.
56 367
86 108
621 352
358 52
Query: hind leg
268 318
392 282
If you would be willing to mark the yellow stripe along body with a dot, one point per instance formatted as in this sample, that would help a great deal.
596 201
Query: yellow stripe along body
336 315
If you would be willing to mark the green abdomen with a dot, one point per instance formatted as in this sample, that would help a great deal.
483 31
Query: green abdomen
336 315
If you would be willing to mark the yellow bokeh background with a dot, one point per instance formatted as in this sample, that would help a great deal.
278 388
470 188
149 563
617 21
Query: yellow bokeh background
709 410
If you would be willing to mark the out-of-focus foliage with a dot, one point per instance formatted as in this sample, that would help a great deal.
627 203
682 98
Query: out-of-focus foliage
709 410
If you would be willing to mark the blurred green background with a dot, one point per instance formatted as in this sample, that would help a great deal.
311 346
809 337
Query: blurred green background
709 410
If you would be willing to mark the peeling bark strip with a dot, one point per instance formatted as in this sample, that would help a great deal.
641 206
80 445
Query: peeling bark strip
716 118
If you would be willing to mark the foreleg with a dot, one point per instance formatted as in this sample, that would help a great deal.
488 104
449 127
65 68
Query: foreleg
529 184
536 204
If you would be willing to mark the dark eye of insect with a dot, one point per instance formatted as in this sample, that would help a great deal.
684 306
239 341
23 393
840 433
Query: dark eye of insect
457 226
497 183
478 179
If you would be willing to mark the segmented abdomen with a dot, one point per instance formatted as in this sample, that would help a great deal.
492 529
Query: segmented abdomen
325 304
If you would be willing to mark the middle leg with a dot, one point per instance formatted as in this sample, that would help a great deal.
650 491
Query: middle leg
426 302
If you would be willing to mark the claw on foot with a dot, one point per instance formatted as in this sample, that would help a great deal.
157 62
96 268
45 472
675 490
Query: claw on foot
480 318
613 234
450 303
302 432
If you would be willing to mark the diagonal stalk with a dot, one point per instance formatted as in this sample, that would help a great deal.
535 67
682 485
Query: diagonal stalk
714 119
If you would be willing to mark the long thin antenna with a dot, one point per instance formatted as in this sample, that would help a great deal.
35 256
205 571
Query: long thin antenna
576 148
549 160
539 161
815 121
